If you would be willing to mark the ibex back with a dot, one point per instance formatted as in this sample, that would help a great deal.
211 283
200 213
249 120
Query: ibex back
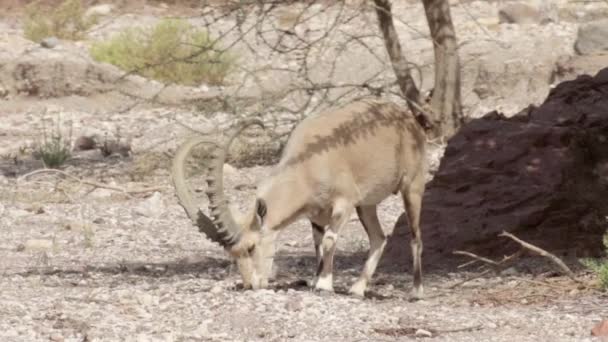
344 160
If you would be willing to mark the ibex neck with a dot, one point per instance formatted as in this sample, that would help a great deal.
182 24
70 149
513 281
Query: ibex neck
285 200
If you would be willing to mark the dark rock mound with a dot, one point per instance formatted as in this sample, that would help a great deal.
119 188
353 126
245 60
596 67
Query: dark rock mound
541 174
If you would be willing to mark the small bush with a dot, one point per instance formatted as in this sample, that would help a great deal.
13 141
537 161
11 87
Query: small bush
600 267
67 21
54 150
171 52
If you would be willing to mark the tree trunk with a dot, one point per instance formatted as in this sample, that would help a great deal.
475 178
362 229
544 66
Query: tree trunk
445 101
398 60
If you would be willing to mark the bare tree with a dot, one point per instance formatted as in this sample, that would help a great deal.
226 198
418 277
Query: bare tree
296 58
445 100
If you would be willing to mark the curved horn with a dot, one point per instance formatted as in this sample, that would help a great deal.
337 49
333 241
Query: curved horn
223 228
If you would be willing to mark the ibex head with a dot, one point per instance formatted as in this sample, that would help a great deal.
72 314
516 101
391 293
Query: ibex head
240 235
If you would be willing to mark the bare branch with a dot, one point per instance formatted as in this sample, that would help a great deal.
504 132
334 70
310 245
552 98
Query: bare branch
543 253
89 182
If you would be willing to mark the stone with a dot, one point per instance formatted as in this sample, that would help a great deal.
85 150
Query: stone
423 333
519 13
38 245
230 170
99 10
84 143
49 42
592 38
101 193
152 206
56 337
511 271
601 329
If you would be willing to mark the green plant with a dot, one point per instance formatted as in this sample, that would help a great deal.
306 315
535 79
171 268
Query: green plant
599 266
66 21
54 150
172 52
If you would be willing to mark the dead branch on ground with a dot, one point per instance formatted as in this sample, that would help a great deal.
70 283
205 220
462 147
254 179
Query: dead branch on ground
497 266
543 253
91 183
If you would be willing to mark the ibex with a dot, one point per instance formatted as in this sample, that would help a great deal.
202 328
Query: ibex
344 160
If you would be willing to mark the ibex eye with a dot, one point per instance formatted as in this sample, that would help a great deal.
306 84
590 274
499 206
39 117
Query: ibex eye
251 249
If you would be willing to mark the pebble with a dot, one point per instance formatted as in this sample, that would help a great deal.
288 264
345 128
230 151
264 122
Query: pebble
37 245
49 42
56 337
423 333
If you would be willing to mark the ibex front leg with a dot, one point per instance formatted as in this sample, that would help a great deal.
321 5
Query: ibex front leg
377 240
340 214
317 234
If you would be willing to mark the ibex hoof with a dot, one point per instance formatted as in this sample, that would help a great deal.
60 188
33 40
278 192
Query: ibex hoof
324 284
358 289
417 293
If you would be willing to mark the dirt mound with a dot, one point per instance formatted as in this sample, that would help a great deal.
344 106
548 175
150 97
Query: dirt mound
541 174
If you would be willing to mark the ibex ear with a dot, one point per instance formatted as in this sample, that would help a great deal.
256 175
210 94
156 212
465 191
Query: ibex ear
260 211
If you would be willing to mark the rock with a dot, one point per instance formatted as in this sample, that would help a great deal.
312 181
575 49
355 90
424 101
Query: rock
152 207
293 304
592 38
511 271
540 173
423 333
601 329
216 289
519 13
114 147
230 171
49 42
147 299
56 337
37 245
84 143
101 193
569 67
17 213
99 10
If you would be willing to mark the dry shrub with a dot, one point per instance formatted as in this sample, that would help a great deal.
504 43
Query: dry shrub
66 21
599 266
171 52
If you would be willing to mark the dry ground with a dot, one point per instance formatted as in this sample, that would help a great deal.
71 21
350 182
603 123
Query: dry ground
131 267
80 263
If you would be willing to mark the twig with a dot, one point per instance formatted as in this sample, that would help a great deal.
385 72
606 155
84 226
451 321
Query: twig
479 275
468 263
544 283
477 257
471 328
543 253
497 265
91 183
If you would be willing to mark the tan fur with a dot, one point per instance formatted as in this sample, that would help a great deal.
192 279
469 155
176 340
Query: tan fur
336 163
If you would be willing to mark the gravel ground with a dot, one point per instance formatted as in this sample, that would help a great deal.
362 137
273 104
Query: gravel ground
83 263
104 266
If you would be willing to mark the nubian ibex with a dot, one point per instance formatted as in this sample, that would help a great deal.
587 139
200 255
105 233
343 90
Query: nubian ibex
344 160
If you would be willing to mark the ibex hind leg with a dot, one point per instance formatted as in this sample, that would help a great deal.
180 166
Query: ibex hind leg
412 200
377 240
